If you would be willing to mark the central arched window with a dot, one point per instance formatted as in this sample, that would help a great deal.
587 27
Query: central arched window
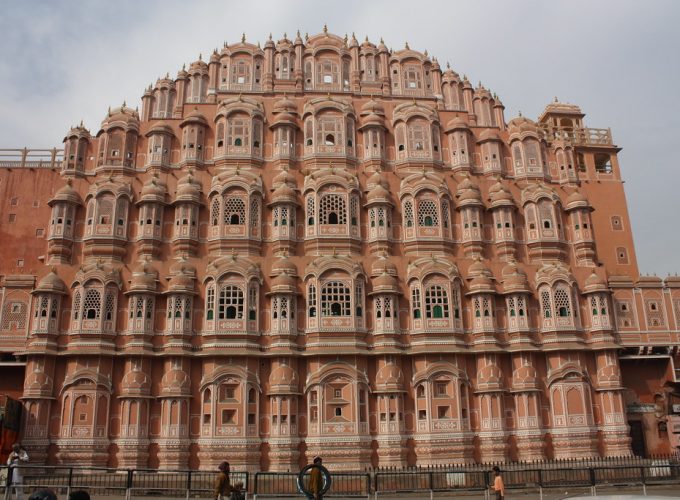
436 302
333 209
92 304
428 215
234 211
230 305
562 303
335 299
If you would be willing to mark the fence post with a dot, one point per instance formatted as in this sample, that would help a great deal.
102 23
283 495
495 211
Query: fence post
8 483
255 486
643 476
70 481
128 484
431 480
188 484
593 487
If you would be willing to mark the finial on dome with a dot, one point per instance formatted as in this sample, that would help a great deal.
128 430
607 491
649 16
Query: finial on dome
556 99
520 113
184 66
243 38
382 41
81 122
366 38
200 56
406 46
124 105
285 35
167 74
448 65
270 36
325 28
425 53
258 44
306 37
345 39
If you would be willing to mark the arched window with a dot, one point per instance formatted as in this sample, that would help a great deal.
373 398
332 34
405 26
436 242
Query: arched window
333 209
428 215
415 303
418 136
562 303
234 211
545 303
408 213
310 210
436 302
92 304
311 299
230 303
335 299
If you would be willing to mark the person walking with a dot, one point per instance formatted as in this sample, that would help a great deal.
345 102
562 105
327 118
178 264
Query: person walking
315 480
498 485
223 487
15 459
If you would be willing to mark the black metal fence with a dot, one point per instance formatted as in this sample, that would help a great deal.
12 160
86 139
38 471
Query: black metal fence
536 476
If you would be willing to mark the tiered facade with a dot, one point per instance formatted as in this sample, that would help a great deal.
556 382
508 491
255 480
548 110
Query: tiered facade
327 247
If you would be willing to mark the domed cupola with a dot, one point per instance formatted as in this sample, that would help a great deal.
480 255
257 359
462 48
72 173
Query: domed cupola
284 204
460 144
580 227
379 205
187 203
284 125
515 287
76 146
502 206
491 145
385 295
180 296
482 295
194 128
283 296
64 205
597 294
469 204
142 297
159 142
151 205
118 139
47 301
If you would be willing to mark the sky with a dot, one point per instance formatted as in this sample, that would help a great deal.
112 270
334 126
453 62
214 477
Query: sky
618 59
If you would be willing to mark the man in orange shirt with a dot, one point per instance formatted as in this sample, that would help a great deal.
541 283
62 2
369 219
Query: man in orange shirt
498 485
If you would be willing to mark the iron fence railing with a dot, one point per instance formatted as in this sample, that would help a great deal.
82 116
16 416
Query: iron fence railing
589 474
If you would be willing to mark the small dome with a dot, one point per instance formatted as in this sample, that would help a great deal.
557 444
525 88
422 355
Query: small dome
188 189
283 380
66 194
379 195
136 382
284 283
468 193
144 279
182 278
514 279
595 284
500 196
385 283
383 265
176 383
372 107
159 128
283 265
194 118
389 378
489 135
122 116
285 105
284 118
51 283
576 200
456 123
522 124
199 65
154 190
284 194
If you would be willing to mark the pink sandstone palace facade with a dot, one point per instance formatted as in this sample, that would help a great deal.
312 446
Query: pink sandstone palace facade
327 247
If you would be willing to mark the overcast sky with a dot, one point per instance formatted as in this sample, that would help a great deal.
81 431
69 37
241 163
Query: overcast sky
61 62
